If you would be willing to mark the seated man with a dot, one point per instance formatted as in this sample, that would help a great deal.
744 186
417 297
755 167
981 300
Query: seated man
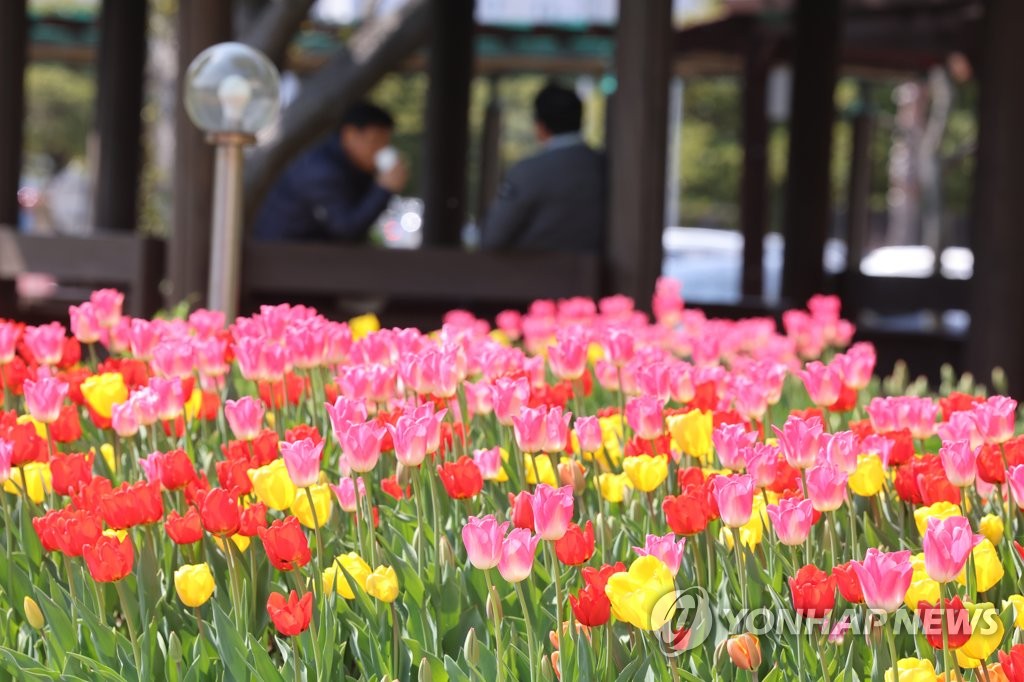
554 201
333 191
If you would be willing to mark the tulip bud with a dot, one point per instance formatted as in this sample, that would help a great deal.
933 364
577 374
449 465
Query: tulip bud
174 648
471 648
424 674
32 613
546 671
745 651
447 558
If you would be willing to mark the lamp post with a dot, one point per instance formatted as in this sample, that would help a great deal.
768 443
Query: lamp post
231 93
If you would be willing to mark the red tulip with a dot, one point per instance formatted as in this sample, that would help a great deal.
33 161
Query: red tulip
70 471
848 583
958 622
291 616
814 592
686 513
576 546
132 505
218 509
234 473
1013 663
591 607
67 428
109 559
286 545
184 530
521 513
598 577
88 495
461 479
253 518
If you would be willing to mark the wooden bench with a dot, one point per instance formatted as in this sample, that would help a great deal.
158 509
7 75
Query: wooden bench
126 261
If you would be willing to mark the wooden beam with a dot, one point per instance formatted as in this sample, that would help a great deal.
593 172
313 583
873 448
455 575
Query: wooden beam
490 153
13 35
859 191
200 24
447 121
997 325
122 60
754 183
639 120
815 68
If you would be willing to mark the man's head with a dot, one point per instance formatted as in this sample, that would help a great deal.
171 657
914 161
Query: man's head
556 110
365 130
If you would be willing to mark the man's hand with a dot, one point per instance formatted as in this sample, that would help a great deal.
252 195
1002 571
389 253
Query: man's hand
395 179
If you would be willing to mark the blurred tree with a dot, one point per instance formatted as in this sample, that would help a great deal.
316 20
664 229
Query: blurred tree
59 110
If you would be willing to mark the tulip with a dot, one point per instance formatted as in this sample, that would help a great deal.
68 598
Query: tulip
521 513
744 651
110 558
334 578
731 443
286 544
184 530
958 624
568 357
509 396
947 544
591 606
826 487
33 614
884 578
1015 477
991 526
194 584
646 472
960 462
517 554
483 540
692 432
824 383
67 471
939 510
734 496
409 436
644 415
637 595
361 444
556 430
987 632
301 509
664 548
218 510
922 588
912 670
6 455
245 417
588 434
791 520
461 479
382 584
45 343
343 413
552 511
869 476
302 460
345 491
841 450
44 398
291 616
107 304
994 418
576 546
688 513
104 392
848 583
33 478
489 462
813 592
273 485
613 486
988 569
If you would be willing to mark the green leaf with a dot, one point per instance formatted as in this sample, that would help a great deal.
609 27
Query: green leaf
229 643
261 665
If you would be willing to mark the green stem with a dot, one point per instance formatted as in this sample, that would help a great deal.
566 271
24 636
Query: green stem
297 649
891 637
530 641
559 613
499 644
821 658
394 642
319 540
133 629
740 566
420 520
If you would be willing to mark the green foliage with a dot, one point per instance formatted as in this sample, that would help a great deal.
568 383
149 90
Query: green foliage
59 111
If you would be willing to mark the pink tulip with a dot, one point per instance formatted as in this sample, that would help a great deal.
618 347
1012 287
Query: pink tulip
409 436
9 335
735 497
664 548
826 487
960 462
509 396
441 372
530 428
857 365
343 413
961 426
361 446
211 352
173 358
552 511
45 342
124 420
245 417
107 303
644 415
588 432
568 357
478 398
947 545
920 416
517 553
483 539
1015 477
302 459
749 397
6 454
433 421
619 345
800 440
884 578
44 397
145 403
791 520
823 382
731 442
489 462
510 322
556 430
170 397
84 323
762 463
680 382
143 335
345 491
206 323
995 418
841 450
654 379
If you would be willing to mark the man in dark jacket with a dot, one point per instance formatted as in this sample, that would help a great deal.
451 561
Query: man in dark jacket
335 191
555 200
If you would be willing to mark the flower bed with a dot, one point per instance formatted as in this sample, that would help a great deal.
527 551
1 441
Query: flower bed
578 492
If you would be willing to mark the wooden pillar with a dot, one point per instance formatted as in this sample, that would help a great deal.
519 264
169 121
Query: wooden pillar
447 121
754 183
13 57
201 23
859 193
633 250
997 325
816 47
122 60
490 154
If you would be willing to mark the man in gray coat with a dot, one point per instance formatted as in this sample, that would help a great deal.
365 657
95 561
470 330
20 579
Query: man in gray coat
555 200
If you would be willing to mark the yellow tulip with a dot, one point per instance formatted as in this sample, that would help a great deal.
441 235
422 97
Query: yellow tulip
637 595
103 391
939 510
1017 601
987 632
273 486
39 426
613 486
869 476
500 336
323 500
922 588
193 404
912 670
991 526
544 470
692 433
752 532
594 353
37 481
363 325
988 570
334 578
646 472
33 614
382 584
119 533
108 454
194 584
242 542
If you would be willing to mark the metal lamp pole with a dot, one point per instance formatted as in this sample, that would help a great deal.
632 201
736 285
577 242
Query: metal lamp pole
227 222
